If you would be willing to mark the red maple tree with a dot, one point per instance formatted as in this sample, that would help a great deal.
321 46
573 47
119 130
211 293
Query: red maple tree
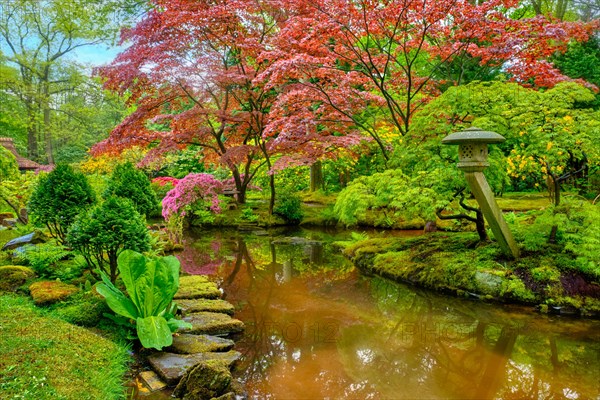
373 64
191 71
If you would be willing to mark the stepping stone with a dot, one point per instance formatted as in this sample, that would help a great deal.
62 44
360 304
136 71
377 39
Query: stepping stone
197 305
171 367
212 324
190 344
196 287
151 380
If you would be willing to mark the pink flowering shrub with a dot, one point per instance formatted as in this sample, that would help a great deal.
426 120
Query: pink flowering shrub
190 190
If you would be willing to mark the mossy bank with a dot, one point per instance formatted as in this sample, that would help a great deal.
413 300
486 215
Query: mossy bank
457 263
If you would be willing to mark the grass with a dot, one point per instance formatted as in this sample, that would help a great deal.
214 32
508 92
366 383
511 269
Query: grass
42 357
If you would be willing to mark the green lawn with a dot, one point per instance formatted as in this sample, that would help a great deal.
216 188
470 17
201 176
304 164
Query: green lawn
42 357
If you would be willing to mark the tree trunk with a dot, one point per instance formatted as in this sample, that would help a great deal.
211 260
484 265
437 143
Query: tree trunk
48 136
480 225
316 176
32 143
272 198
241 189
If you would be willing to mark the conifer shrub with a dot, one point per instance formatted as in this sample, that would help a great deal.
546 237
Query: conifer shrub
58 198
131 183
101 234
289 207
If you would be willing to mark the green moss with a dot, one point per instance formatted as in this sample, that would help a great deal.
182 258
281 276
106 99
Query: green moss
545 273
47 292
514 288
13 276
83 308
42 357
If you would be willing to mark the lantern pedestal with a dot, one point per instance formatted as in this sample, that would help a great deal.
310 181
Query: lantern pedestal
473 153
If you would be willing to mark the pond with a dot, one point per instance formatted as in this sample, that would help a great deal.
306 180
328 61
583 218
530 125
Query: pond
317 328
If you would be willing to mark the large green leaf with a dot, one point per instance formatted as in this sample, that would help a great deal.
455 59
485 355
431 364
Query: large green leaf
116 300
132 268
158 285
154 332
175 324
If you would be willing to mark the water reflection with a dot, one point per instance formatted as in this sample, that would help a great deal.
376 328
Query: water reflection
317 329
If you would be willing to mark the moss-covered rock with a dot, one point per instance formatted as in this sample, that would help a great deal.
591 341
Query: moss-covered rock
196 287
48 292
13 276
206 380
197 305
212 324
192 344
171 367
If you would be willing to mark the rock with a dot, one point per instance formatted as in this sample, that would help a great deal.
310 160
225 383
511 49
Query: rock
47 292
171 367
260 233
34 237
205 381
13 276
195 287
190 344
295 240
212 324
197 305
152 381
10 222
488 283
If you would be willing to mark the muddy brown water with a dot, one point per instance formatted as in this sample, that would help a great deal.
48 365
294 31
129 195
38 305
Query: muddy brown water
317 328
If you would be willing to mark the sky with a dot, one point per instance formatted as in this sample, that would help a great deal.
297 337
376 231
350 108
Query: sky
96 55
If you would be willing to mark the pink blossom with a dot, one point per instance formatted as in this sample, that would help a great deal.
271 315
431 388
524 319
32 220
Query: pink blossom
189 190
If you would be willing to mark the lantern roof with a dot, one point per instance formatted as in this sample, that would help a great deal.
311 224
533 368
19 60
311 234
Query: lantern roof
473 135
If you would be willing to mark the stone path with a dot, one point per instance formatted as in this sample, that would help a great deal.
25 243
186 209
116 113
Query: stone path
199 301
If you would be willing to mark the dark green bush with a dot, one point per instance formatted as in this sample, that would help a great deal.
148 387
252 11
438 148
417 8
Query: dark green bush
58 198
289 207
101 234
133 184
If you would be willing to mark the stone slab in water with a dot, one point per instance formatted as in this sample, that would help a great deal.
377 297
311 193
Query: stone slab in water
151 380
198 305
190 344
212 324
196 287
171 367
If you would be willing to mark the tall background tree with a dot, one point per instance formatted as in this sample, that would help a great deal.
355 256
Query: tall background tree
38 41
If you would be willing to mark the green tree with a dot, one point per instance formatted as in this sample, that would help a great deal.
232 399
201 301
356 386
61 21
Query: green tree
101 234
58 198
39 38
133 184
552 136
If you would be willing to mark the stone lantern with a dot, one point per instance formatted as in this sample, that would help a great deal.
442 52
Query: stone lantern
473 159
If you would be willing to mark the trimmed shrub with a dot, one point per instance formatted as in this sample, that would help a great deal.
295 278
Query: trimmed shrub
133 184
58 198
101 234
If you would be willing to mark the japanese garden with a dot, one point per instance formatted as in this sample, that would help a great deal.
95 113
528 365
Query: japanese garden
252 199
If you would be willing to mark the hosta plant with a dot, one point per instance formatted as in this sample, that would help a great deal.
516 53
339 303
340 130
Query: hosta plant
151 283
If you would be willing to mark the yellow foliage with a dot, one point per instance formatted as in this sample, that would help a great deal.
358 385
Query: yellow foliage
105 164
